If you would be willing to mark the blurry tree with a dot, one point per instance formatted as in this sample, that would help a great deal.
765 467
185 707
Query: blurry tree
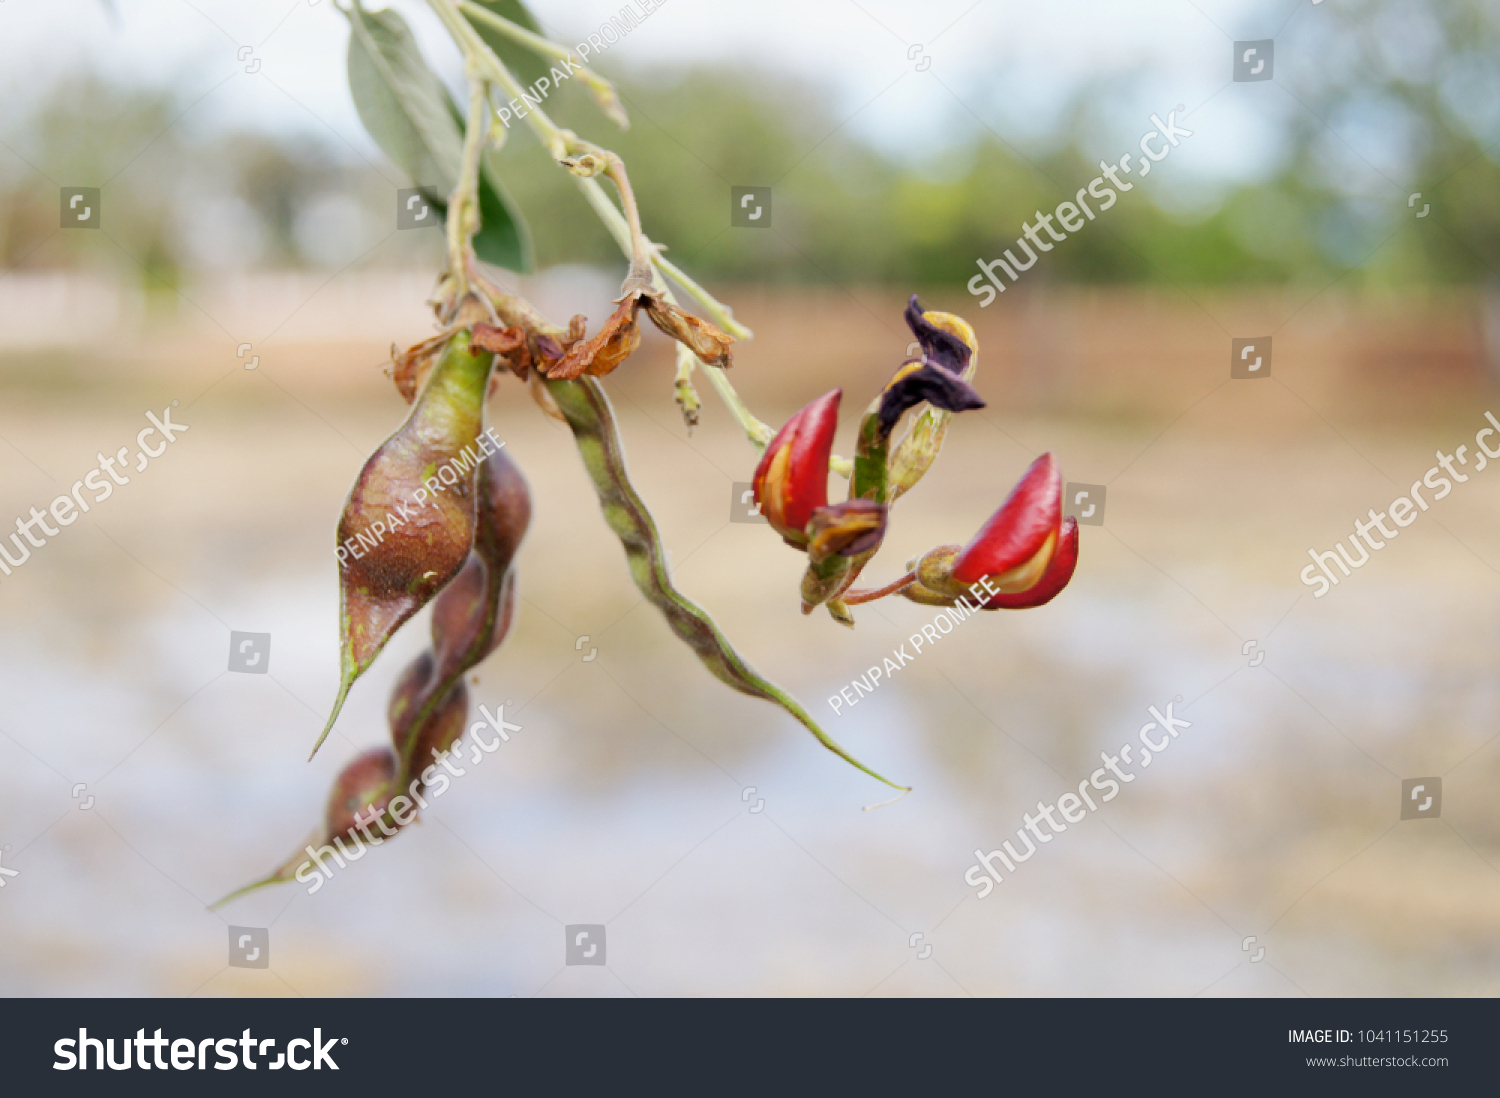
1380 99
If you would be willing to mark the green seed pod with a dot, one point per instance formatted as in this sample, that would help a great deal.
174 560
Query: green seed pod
408 524
592 422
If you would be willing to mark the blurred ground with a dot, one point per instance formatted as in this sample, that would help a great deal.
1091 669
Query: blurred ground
623 800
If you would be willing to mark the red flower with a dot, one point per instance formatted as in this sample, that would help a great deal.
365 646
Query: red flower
791 480
1053 580
1017 543
1026 550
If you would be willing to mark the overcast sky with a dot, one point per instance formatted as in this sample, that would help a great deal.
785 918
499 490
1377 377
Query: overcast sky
1008 65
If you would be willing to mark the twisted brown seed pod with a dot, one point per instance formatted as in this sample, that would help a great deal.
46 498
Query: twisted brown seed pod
374 794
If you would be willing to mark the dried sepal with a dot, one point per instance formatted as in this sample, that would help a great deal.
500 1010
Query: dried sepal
510 344
409 368
604 352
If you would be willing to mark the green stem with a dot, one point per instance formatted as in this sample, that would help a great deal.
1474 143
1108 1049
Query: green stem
854 598
642 277
603 91
560 143
463 204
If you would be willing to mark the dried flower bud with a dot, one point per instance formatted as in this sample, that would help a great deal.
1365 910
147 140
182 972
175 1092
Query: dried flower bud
940 345
948 342
846 529
842 538
699 336
916 382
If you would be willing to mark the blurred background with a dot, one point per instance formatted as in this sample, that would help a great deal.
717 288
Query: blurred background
1347 208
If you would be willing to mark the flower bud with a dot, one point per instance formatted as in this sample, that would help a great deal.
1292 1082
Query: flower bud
841 537
1053 580
791 481
1015 546
1025 550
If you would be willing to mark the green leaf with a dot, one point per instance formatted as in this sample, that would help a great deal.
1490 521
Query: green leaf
401 101
527 66
503 238
413 119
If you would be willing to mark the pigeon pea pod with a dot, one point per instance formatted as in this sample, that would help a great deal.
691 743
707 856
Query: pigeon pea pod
429 705
591 420
408 525
361 794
